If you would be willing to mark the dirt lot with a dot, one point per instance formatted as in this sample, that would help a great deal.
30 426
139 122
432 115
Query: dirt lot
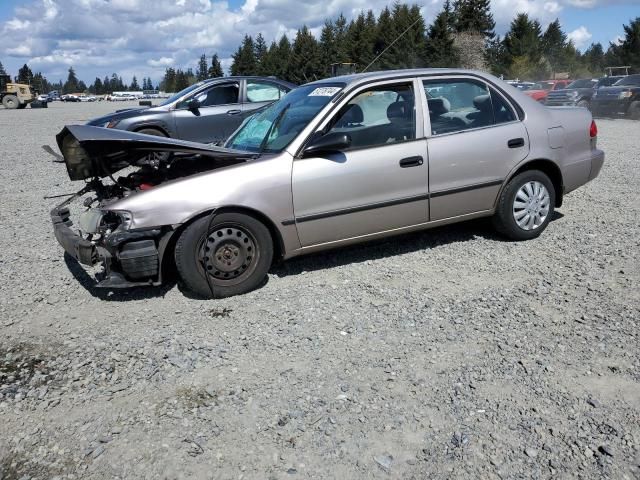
445 354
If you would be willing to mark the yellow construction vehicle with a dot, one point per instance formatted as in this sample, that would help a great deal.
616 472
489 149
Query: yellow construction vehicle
15 95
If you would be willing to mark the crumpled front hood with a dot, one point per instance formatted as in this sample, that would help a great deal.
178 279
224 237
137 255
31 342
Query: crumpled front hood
90 151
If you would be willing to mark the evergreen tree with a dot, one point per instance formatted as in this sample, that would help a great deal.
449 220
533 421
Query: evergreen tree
555 48
2 70
628 52
385 35
134 84
361 37
594 59
202 69
71 85
328 51
283 59
106 85
269 65
215 70
25 75
305 58
474 16
244 60
97 87
82 87
260 49
439 49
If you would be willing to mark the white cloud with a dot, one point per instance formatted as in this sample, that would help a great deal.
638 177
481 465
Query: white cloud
580 37
99 37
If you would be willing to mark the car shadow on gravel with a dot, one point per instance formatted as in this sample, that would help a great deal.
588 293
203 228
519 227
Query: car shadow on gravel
389 247
114 295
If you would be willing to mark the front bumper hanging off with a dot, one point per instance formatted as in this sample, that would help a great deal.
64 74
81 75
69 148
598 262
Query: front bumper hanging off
129 258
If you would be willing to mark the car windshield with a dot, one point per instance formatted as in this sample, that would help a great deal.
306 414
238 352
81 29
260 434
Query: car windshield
584 83
181 93
273 128
630 81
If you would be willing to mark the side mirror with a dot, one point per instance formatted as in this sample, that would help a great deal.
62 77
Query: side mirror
193 105
331 142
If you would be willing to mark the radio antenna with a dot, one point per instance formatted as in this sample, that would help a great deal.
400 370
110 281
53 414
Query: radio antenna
391 44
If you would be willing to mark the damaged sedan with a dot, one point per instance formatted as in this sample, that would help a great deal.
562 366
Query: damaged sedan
334 162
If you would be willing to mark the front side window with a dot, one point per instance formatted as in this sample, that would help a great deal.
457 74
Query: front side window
264 91
217 95
378 116
458 105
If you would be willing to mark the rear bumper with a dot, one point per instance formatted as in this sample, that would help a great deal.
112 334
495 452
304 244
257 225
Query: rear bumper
597 160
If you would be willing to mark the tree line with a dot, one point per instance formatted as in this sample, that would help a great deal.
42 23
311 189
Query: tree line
398 37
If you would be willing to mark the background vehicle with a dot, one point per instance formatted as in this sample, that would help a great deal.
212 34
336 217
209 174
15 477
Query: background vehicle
579 92
15 95
70 97
334 162
622 98
208 111
540 90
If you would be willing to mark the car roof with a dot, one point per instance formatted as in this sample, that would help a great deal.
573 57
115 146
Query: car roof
246 77
357 78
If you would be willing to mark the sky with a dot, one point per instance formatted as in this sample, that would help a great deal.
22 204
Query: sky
143 37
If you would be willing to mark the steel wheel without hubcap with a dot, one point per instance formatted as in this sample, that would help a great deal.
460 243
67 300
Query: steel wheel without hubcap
228 254
531 205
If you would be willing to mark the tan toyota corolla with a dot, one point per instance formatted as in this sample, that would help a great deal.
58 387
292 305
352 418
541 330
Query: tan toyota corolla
338 161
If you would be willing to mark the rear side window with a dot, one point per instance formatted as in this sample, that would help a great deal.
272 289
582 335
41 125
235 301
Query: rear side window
216 95
464 104
264 91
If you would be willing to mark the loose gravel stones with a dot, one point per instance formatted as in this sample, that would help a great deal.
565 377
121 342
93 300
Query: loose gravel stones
444 354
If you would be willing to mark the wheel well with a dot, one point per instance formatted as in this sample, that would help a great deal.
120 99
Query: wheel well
278 244
151 127
551 170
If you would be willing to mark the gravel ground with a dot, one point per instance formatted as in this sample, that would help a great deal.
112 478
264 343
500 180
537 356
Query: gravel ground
445 354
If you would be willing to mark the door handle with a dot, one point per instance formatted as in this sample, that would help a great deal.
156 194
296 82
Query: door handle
234 112
516 143
411 162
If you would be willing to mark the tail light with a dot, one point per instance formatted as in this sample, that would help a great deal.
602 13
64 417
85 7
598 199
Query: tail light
593 130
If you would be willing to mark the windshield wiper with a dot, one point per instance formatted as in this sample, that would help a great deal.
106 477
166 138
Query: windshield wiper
276 122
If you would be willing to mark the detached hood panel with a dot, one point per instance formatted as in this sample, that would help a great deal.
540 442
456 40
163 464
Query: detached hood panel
90 151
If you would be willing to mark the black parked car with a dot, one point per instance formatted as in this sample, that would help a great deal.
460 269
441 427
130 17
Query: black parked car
206 112
622 98
579 92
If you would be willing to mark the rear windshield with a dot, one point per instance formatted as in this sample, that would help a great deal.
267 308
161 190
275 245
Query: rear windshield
630 81
584 83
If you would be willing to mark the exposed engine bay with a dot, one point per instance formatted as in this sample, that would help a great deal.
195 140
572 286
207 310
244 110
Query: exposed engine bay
102 235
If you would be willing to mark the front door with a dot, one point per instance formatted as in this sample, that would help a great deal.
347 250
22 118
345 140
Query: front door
377 184
476 139
218 115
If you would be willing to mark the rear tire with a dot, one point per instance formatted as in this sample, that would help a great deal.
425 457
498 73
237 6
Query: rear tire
156 156
525 206
11 102
634 110
234 252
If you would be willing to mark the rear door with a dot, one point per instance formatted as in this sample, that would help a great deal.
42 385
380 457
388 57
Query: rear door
217 117
475 139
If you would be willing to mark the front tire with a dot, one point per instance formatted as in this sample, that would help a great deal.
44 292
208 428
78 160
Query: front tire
525 206
229 256
11 102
